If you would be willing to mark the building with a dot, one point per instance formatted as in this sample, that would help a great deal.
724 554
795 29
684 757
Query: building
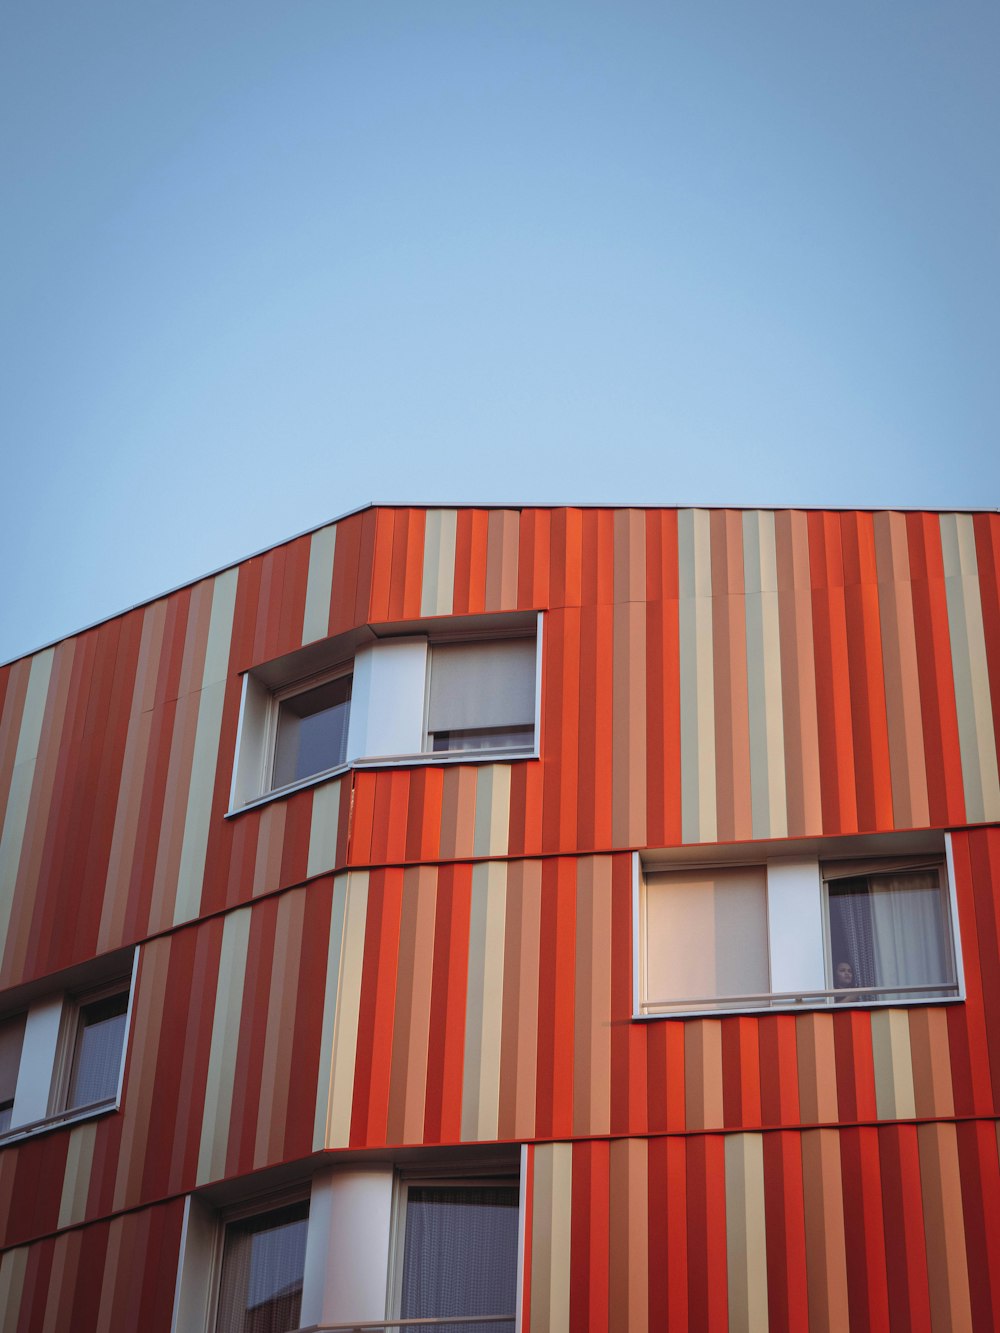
581 916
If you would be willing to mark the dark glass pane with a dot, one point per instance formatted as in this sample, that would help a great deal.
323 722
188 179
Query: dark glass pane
98 1055
262 1268
312 731
460 1253
483 738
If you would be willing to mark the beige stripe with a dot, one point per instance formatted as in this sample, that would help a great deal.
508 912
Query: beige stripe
276 1062
551 1230
198 819
894 1099
972 684
76 1177
746 1233
481 1092
113 1271
697 672
225 1040
817 1068
270 845
944 1229
826 1257
137 1093
437 594
474 1003
319 584
12 1268
703 1074
527 999
333 966
121 857
22 778
492 810
628 1267
767 730
324 826
933 1091
424 882
345 1036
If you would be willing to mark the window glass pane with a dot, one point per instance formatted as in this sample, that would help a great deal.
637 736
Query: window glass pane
97 1057
460 1253
889 931
312 731
479 685
706 937
262 1267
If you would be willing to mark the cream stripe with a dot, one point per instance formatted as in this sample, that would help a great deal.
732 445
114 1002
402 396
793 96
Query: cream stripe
760 791
225 1040
76 1178
551 1234
972 685
324 825
773 735
16 815
333 965
12 1268
697 677
541 1238
437 593
746 1233
319 585
893 1061
198 818
277 1064
492 1009
492 810
476 982
345 1036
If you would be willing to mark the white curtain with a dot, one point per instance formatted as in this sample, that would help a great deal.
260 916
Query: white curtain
909 930
98 1055
262 1268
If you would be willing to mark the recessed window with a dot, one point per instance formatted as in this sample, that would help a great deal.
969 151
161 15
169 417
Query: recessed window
459 1253
889 933
61 1056
794 930
481 696
311 731
260 1289
462 689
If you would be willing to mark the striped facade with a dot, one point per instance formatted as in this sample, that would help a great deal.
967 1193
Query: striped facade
425 956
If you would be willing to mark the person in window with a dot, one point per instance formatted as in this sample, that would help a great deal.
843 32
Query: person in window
843 979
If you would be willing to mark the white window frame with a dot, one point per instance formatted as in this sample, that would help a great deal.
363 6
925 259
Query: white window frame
407 1179
390 698
51 1035
805 857
351 1245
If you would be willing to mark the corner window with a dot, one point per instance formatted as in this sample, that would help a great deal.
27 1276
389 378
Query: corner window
807 927
263 1262
458 1244
461 689
61 1057
310 730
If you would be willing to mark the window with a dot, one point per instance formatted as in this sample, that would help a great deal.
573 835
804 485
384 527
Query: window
481 696
461 689
814 925
263 1262
372 1241
311 730
61 1056
456 1252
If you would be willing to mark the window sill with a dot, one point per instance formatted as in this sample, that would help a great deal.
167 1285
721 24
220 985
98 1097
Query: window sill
814 1002
58 1121
425 759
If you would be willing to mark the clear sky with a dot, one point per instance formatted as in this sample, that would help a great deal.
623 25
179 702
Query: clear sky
265 262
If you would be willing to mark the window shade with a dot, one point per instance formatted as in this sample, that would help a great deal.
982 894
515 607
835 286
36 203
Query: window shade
490 684
706 934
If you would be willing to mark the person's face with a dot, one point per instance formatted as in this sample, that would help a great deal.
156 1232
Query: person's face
845 974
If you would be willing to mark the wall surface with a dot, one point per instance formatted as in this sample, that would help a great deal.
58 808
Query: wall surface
442 955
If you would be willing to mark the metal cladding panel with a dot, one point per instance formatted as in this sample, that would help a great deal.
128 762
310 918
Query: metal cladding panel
442 954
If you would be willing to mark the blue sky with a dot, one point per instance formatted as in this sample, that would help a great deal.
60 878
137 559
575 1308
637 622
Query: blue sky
266 262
